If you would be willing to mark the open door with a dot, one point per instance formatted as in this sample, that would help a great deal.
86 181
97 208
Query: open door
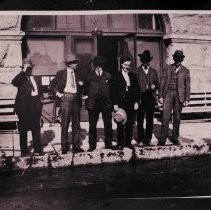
127 47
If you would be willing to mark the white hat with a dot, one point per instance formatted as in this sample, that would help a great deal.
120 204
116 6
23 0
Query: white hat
120 116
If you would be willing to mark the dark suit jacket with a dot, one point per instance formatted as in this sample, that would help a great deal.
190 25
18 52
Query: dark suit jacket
22 82
98 86
153 79
183 82
119 89
59 82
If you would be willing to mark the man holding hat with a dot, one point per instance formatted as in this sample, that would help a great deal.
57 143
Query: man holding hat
67 88
28 107
174 93
149 84
125 96
97 88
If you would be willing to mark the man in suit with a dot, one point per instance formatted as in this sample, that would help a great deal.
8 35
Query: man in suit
125 96
174 93
67 87
28 107
97 88
149 84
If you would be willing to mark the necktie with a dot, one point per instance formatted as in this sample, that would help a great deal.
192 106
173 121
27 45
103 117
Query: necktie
32 86
72 79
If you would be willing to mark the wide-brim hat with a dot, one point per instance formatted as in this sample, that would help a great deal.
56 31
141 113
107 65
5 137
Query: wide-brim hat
27 61
71 58
120 116
146 55
178 54
98 60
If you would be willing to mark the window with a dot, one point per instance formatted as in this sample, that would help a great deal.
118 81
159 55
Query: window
38 22
149 21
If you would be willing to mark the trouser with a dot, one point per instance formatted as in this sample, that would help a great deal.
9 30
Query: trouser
146 109
30 120
171 102
125 132
107 120
70 109
36 139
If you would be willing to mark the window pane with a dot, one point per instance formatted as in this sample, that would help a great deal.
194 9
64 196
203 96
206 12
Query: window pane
38 22
149 21
145 21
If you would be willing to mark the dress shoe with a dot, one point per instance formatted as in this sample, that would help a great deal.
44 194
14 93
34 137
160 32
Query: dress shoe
91 149
146 144
109 146
130 146
120 147
64 151
24 154
38 153
175 142
161 144
77 149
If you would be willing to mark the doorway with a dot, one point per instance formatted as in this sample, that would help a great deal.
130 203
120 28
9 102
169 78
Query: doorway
107 46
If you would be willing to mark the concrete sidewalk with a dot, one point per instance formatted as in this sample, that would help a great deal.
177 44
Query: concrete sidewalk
195 138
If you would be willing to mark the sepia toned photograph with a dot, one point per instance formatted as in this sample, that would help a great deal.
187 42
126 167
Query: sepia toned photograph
105 109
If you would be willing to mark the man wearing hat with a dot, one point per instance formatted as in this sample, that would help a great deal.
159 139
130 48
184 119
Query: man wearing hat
97 88
149 84
28 107
174 93
125 96
67 88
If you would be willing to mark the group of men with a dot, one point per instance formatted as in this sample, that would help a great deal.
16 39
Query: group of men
130 91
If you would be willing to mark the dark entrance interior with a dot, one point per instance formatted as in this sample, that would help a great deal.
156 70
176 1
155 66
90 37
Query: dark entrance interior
107 46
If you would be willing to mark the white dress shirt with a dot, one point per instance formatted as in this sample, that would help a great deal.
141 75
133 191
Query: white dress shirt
146 70
127 79
35 91
69 88
99 73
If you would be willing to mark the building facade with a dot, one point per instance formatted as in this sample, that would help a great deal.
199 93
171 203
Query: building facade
46 39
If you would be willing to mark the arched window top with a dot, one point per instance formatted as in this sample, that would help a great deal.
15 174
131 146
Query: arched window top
149 22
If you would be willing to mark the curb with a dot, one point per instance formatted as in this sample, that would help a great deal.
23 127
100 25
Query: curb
104 156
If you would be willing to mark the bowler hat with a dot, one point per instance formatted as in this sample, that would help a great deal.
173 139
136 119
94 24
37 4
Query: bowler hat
146 55
178 54
27 61
120 116
71 58
98 60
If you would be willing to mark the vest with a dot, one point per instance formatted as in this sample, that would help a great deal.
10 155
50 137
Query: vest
173 81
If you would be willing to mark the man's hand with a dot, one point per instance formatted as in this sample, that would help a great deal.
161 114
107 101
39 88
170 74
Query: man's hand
59 95
152 87
84 97
136 106
160 100
116 108
185 103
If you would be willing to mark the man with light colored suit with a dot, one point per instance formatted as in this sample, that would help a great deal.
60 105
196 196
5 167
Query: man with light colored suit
174 93
68 89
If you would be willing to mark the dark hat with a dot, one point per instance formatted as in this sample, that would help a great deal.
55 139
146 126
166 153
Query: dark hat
98 60
146 55
27 61
71 58
178 54
120 116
